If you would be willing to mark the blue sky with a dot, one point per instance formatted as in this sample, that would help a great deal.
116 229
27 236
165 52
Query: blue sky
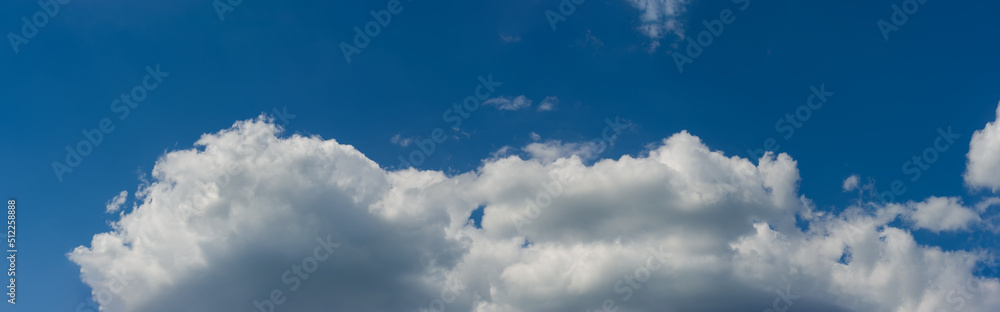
890 96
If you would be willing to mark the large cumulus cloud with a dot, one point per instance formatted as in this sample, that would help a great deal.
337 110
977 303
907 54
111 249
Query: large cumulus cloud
983 164
678 228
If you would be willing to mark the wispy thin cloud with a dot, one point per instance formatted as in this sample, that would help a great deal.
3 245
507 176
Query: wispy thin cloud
510 38
548 104
116 203
659 18
506 103
399 140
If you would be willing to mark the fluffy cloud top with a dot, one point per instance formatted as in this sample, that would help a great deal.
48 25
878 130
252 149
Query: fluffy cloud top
983 166
247 212
551 150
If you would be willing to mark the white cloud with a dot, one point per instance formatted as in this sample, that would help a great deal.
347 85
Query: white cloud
506 103
116 203
714 226
548 104
941 214
991 221
659 17
983 165
851 183
535 136
986 203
